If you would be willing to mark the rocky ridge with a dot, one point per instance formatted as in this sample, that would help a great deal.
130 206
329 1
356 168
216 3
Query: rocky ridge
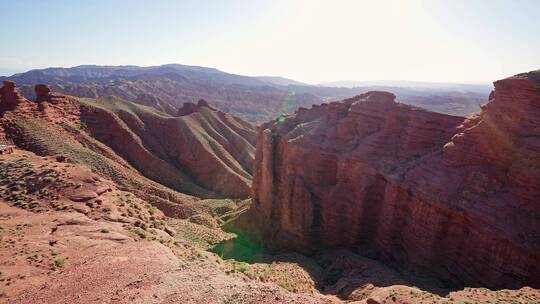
202 154
451 197
189 107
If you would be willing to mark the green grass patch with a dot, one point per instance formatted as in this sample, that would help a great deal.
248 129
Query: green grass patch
59 262
239 248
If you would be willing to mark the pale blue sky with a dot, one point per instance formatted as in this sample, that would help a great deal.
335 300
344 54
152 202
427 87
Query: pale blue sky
312 41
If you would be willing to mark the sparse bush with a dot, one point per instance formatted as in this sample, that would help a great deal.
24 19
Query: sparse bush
241 267
59 262
81 125
33 204
285 285
140 233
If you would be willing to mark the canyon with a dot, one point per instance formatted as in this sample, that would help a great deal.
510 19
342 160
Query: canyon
364 200
453 197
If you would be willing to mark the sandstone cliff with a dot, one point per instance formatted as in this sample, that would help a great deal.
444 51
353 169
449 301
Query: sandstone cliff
443 195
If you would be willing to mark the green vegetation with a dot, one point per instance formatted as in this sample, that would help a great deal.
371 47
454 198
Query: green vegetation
281 119
285 284
241 267
59 262
239 249
22 184
41 137
81 125
139 232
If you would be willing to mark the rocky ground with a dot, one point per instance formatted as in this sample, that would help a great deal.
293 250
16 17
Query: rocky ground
70 236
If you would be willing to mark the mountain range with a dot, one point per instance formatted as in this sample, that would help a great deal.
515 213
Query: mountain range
255 99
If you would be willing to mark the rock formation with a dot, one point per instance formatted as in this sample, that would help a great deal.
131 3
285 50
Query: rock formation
203 103
10 98
436 194
190 107
43 93
187 109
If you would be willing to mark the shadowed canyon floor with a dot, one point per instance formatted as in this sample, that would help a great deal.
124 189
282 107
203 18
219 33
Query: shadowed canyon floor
114 202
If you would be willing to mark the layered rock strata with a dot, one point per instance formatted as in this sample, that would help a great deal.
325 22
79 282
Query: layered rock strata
443 195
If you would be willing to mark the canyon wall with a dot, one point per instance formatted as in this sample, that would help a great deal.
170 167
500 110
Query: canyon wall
431 193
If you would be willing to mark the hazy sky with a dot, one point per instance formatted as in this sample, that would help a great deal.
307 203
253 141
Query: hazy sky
312 41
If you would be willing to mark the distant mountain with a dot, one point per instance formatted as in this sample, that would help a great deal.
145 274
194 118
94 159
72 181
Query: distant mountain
451 101
280 81
93 73
167 87
418 85
256 99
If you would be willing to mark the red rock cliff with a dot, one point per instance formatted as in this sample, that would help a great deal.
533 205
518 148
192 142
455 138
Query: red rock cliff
452 197
10 97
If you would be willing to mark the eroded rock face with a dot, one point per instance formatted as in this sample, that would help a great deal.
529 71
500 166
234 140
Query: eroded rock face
43 93
207 155
202 103
452 197
10 96
189 107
